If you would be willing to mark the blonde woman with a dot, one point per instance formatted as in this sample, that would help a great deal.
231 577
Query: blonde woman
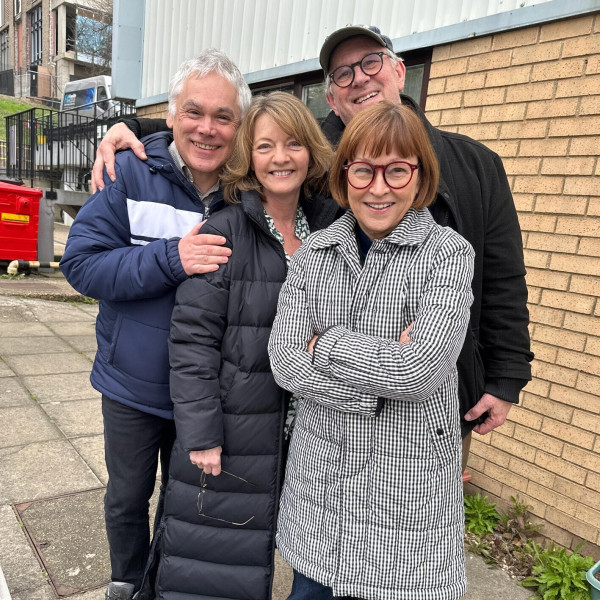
223 494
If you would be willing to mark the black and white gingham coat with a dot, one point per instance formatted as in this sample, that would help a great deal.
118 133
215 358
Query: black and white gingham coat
372 503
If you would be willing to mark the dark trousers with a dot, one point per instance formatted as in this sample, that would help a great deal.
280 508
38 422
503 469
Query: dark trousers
304 588
133 441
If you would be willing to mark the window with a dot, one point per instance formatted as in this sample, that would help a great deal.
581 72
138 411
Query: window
4 46
78 98
313 95
17 7
35 27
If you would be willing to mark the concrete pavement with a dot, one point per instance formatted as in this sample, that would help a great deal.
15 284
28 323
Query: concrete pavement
52 474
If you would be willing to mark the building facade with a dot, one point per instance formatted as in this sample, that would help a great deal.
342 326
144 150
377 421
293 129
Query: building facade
41 47
524 79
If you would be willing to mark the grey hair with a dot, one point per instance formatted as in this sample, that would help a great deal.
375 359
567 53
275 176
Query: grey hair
394 59
209 61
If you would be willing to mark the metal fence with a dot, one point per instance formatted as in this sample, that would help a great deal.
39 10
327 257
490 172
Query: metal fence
58 148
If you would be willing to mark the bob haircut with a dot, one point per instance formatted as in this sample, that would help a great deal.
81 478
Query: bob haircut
386 128
295 119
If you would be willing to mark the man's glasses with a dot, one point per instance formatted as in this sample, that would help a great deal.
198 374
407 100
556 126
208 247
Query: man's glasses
397 174
200 501
370 65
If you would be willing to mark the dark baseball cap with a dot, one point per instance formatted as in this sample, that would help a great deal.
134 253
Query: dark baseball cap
341 35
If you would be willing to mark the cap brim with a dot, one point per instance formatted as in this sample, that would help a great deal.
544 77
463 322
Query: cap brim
341 35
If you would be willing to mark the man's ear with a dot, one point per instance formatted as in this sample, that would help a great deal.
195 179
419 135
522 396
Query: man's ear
169 121
331 102
401 72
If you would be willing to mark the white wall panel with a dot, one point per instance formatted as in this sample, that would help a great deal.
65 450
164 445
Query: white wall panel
263 34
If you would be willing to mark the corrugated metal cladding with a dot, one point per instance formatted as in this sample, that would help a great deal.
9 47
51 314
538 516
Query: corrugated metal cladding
261 34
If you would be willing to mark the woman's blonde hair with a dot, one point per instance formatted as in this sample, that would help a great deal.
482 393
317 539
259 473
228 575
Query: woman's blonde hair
296 120
385 128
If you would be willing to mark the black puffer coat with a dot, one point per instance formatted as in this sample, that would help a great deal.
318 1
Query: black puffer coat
225 395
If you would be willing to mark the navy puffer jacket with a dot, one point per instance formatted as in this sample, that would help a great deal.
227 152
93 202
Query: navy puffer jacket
123 250
224 395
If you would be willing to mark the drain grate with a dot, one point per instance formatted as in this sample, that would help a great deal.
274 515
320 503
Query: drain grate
69 537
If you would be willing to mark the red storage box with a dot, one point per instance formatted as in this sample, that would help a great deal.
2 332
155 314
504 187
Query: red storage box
19 215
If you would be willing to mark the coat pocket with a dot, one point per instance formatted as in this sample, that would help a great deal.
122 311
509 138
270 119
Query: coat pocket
114 337
141 351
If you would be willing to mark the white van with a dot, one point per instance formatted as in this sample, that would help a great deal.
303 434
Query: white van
88 97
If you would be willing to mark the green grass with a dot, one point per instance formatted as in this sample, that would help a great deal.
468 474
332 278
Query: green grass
10 106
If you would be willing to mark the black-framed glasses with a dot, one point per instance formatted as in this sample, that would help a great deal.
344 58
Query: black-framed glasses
202 493
370 65
397 174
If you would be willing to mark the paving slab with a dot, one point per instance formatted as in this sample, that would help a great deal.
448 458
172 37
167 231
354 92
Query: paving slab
22 425
14 311
91 450
64 387
42 470
97 594
82 343
91 308
19 329
76 417
14 345
487 583
12 393
78 328
47 364
5 370
48 311
43 593
70 536
20 565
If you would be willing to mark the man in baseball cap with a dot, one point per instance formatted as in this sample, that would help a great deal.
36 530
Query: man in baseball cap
473 198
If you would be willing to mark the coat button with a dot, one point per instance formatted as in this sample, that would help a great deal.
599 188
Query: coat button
440 431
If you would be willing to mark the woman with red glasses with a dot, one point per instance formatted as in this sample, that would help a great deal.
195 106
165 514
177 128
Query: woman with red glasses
370 323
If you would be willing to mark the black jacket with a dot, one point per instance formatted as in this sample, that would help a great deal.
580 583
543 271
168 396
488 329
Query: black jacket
224 394
474 199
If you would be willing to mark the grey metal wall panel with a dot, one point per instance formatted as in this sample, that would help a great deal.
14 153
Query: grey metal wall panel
280 37
262 34
127 48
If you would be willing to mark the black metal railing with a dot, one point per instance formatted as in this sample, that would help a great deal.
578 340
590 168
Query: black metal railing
59 147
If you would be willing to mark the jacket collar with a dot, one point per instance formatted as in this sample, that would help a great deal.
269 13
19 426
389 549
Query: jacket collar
411 231
320 211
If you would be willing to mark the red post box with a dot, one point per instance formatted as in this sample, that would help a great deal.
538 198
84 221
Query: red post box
19 215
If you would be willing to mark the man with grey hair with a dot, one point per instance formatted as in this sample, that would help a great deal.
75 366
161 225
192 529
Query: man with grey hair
130 246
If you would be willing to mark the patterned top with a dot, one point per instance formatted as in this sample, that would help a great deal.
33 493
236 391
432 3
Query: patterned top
372 502
302 231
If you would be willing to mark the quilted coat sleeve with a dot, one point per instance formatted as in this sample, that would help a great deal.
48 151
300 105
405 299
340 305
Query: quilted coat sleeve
198 325
100 261
290 362
411 371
